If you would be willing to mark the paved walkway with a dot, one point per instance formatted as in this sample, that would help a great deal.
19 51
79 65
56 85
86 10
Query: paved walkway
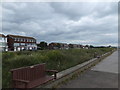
103 75
110 64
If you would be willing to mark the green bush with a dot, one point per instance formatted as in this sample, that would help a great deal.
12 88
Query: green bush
54 59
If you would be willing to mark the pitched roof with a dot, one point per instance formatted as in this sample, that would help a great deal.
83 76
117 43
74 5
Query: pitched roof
17 36
1 35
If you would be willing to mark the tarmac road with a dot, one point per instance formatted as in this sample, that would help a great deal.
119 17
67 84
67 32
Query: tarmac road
103 75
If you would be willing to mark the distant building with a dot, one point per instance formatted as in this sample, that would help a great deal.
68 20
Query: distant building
54 46
86 47
3 43
75 46
58 46
64 46
19 43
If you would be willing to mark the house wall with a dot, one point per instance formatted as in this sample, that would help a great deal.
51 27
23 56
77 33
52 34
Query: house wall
3 43
19 44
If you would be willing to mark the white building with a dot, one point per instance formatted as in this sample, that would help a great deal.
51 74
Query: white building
3 43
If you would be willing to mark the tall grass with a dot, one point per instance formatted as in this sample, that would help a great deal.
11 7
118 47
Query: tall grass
54 59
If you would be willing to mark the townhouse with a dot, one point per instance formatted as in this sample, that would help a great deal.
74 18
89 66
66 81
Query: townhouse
20 43
3 43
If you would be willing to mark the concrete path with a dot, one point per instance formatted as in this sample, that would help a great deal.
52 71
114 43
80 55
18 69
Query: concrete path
110 64
103 75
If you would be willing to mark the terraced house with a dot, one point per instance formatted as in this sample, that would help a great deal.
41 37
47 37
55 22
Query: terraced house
19 43
3 43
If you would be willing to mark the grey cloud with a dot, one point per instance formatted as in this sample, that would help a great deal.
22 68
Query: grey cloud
106 9
67 22
73 10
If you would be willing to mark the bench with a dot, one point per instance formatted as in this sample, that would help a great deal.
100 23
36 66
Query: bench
31 76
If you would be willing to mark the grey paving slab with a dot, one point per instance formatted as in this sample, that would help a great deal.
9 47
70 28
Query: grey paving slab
109 64
103 75
94 79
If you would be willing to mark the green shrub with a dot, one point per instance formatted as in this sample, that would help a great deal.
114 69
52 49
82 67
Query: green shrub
54 59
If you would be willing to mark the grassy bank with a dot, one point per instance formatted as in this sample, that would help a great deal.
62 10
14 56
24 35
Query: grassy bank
54 59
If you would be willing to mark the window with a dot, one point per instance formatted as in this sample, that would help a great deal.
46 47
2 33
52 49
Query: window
32 40
22 43
16 44
14 39
4 44
24 40
33 43
1 44
21 39
18 39
3 39
27 43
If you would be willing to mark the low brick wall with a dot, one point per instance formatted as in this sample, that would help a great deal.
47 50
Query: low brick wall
73 72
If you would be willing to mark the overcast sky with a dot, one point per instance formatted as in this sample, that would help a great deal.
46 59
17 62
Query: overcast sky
92 23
